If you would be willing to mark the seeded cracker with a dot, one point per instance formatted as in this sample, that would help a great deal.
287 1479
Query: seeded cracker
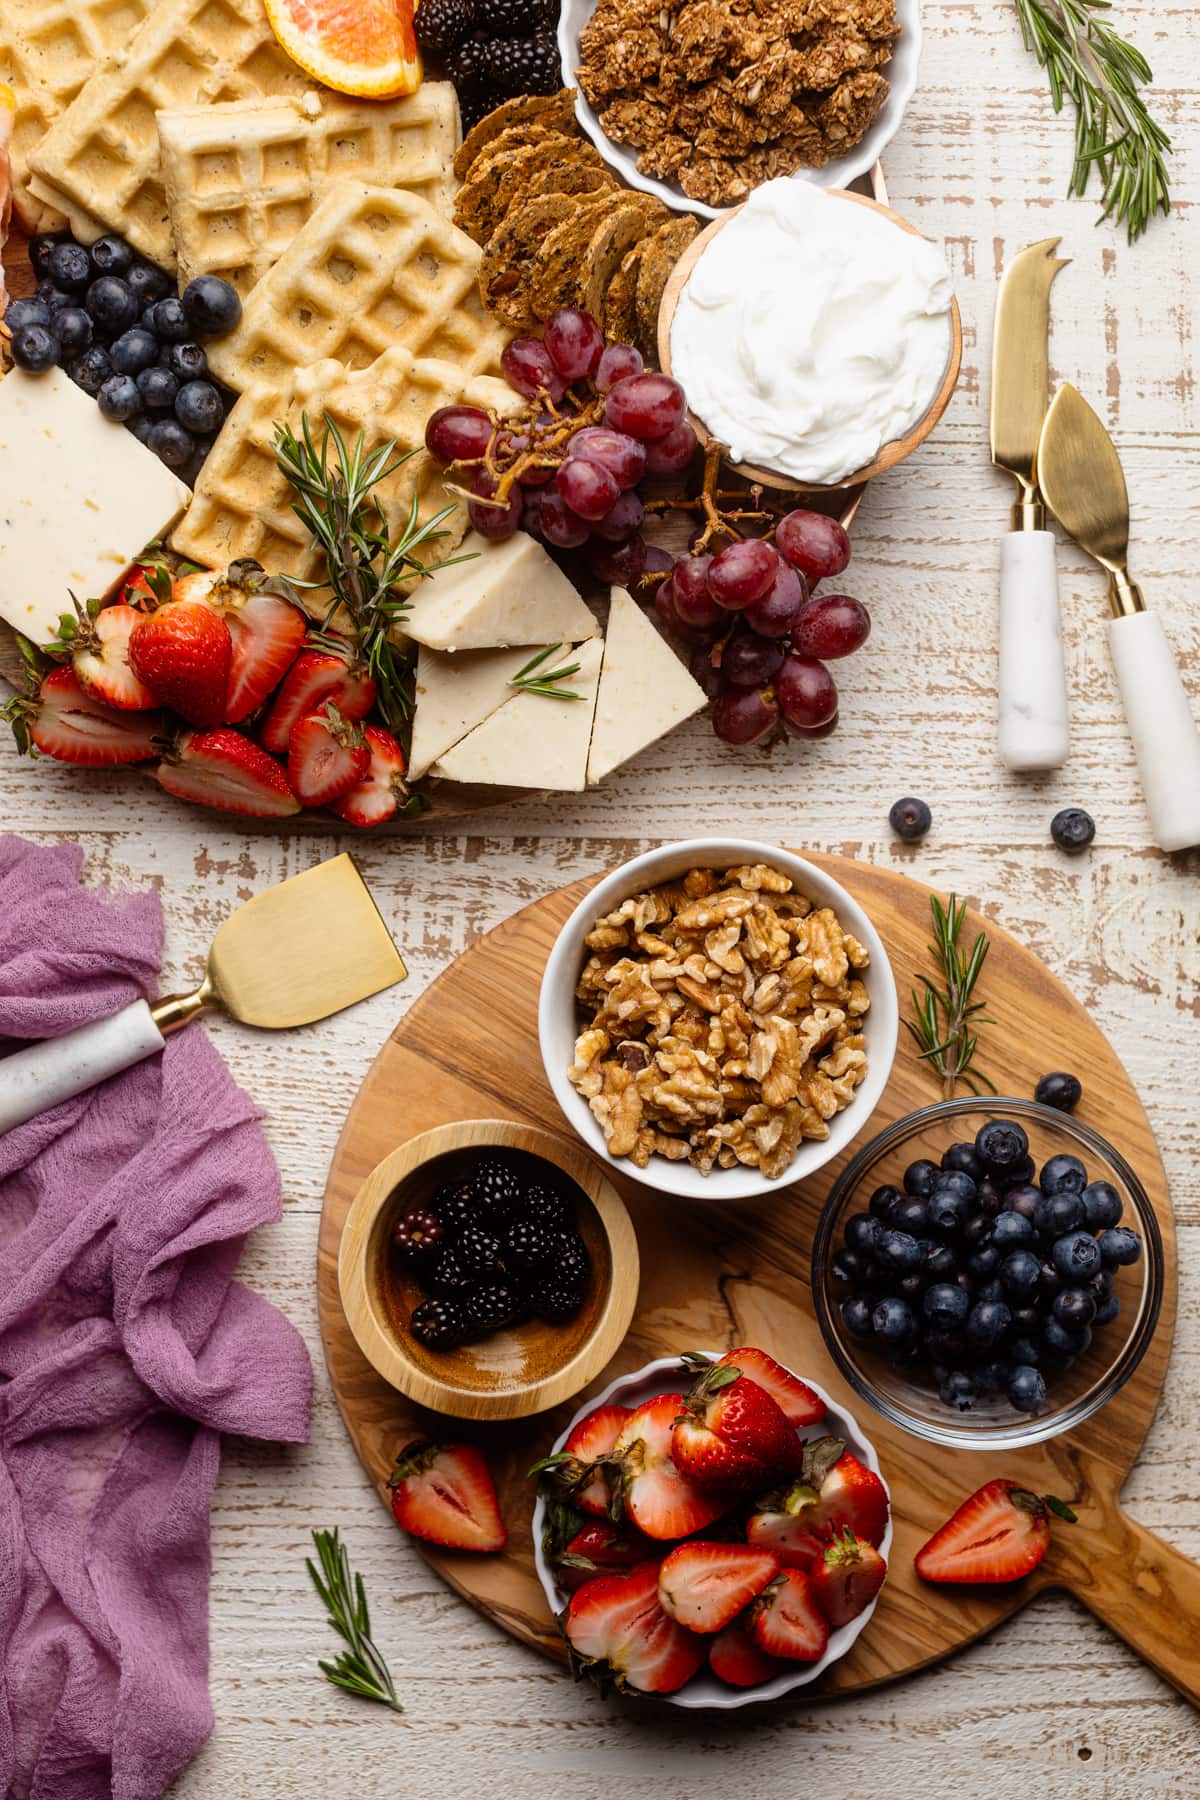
557 269
620 303
555 111
508 258
608 246
659 257
501 178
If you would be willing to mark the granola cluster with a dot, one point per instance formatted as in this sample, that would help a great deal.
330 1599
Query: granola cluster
722 95
723 1021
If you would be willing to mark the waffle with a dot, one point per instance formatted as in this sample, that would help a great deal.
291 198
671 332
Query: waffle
372 268
242 505
99 162
242 179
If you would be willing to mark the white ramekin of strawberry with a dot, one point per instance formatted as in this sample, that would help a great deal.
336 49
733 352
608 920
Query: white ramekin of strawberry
711 1530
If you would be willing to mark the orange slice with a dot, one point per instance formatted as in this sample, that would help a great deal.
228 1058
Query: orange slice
363 47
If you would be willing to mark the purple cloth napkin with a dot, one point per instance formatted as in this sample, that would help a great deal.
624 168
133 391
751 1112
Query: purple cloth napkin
126 1347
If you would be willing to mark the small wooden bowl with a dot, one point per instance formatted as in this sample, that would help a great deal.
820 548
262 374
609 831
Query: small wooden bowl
513 1373
890 454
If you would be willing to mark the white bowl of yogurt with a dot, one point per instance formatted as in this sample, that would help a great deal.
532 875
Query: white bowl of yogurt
815 334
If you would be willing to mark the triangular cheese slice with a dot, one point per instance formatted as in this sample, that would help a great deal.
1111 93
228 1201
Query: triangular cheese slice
533 741
645 691
455 693
510 592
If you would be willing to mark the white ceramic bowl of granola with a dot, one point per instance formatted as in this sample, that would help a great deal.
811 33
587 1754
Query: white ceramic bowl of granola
901 73
559 1024
705 1691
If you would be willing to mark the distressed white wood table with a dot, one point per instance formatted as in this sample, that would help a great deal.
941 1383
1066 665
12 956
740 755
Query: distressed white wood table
1051 1704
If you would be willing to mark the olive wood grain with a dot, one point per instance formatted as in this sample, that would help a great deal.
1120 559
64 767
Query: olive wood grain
740 1274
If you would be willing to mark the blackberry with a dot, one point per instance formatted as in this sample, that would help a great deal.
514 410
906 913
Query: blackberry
527 65
444 24
418 1237
469 68
527 1247
516 18
557 1299
454 1208
497 1191
439 1324
477 1251
475 106
447 1276
545 1207
569 1257
493 1306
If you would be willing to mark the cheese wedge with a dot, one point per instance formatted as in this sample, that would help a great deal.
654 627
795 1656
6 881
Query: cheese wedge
645 691
509 593
80 498
456 693
533 741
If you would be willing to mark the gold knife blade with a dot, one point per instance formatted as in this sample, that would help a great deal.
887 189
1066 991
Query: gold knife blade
1084 484
1020 370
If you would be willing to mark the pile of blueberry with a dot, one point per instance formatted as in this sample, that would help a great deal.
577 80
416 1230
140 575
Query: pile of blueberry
992 1281
492 1250
116 325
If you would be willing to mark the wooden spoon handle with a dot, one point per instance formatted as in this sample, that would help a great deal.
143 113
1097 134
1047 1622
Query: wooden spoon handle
1146 1591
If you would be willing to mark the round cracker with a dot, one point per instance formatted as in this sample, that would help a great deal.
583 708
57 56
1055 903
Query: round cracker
557 111
659 255
620 302
508 258
482 201
560 266
625 226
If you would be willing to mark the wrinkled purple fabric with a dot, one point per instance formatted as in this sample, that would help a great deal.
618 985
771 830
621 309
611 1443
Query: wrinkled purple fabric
126 1347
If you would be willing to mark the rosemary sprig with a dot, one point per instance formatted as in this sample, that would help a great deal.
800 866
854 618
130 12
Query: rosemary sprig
360 1669
947 1017
533 679
1087 63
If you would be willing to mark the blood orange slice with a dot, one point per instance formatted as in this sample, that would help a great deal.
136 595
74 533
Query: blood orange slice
363 47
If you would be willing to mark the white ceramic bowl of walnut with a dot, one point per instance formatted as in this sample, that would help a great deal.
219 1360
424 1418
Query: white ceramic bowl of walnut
560 1018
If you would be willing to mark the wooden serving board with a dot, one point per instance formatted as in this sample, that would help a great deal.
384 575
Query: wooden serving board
721 1276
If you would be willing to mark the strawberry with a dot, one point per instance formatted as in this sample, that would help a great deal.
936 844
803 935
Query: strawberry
999 1534
63 721
705 1586
732 1432
794 1398
182 652
599 1546
659 1499
834 1490
266 631
315 677
735 1658
571 1470
616 1626
445 1494
327 756
100 658
785 1620
226 770
846 1578
383 789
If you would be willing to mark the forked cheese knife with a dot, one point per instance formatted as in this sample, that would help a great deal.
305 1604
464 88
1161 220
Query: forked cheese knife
1033 681
1084 486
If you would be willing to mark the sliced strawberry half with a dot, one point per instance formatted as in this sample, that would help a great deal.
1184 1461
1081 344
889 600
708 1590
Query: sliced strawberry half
1000 1534
383 790
315 677
735 1658
704 1586
571 1469
445 1494
794 1398
786 1621
65 722
732 1432
835 1491
616 1627
599 1547
847 1578
182 652
327 756
226 770
100 658
660 1500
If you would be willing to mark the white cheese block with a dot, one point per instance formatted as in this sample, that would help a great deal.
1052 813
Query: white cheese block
509 593
455 693
533 741
80 498
645 691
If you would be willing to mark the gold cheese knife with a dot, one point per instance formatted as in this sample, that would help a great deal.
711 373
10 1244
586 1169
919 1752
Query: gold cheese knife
1032 678
1084 485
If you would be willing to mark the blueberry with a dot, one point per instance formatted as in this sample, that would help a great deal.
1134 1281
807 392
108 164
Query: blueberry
1065 1340
1102 1205
1060 1090
1026 1388
945 1305
73 329
1058 1213
1020 1173
899 1253
984 1262
1064 1171
140 425
119 399
881 1203
170 443
1101 1285
198 406
988 1196
170 321
39 251
1027 1318
111 256
148 283
910 819
1107 1310
1023 1199
112 304
945 1347
1074 1307
987 1322
942 1263
1050 1282
1001 1143
977 1231
158 388
919 1178
910 1287
1118 1247
29 311
188 361
910 1214
69 267
212 306
34 348
863 1233
964 1159
848 1265
91 371
956 1181
1024 1350
1072 829
991 1377
1010 1230
1019 1272
856 1317
958 1391
948 1212
1077 1256
134 350
991 1290
893 1321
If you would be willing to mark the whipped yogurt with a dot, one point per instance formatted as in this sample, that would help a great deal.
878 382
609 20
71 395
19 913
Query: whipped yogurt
811 332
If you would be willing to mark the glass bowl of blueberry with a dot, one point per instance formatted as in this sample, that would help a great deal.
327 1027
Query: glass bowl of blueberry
988 1272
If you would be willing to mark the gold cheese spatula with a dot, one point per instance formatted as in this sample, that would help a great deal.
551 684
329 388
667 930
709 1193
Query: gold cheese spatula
291 955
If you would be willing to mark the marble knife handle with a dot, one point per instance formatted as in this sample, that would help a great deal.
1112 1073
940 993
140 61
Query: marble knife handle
1033 677
45 1074
1165 739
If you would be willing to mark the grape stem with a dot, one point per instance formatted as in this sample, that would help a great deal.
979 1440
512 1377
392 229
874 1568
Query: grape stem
720 520
547 440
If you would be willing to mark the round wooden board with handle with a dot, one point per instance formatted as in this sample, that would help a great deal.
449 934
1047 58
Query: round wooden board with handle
720 1276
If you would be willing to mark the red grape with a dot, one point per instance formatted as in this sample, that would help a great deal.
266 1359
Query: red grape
617 361
693 602
491 520
811 731
587 489
750 661
560 526
813 543
830 626
622 456
646 406
668 454
458 434
743 572
621 564
743 715
621 520
806 691
658 562
664 604
575 342
774 615
527 368
702 670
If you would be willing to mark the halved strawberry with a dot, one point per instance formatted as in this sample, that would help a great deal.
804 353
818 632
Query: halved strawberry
571 1470
616 1626
266 630
226 770
847 1578
315 677
999 1534
735 1658
598 1547
182 652
703 1585
786 1621
327 756
100 658
794 1398
383 789
659 1499
63 721
834 1491
732 1432
445 1494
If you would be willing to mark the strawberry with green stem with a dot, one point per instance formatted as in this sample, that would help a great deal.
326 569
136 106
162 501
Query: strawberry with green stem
1000 1534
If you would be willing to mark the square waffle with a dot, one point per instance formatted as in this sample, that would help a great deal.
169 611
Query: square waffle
372 268
99 162
242 505
243 178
